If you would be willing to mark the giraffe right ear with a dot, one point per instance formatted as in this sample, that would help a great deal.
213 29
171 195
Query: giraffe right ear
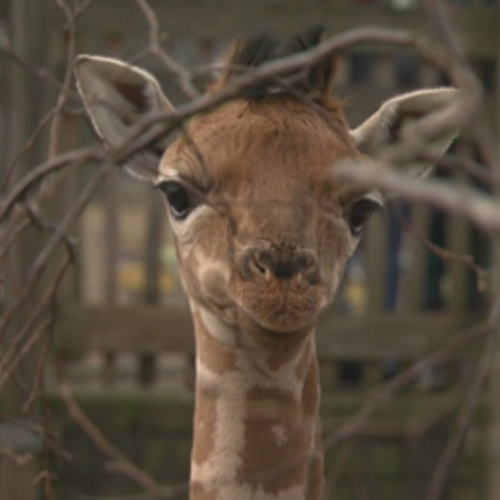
117 95
387 125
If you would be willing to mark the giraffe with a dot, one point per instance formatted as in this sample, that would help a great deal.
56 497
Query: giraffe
263 230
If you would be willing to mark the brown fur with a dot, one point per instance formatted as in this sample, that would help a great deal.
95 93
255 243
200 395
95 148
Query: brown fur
276 468
201 492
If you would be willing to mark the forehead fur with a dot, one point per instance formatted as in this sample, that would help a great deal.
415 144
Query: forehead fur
278 140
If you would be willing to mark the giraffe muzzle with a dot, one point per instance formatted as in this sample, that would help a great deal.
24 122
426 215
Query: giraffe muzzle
281 265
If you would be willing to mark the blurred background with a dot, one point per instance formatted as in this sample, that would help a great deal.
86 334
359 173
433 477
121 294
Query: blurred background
122 345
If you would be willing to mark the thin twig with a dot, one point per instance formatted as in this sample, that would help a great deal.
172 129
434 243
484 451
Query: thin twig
155 49
120 462
446 255
77 13
52 245
384 394
450 453
19 460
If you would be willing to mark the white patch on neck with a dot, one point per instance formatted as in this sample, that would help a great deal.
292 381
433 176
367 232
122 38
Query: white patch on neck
224 333
222 465
281 434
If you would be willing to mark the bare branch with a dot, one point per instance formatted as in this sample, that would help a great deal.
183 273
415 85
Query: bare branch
155 49
25 205
478 207
482 274
450 453
19 460
121 463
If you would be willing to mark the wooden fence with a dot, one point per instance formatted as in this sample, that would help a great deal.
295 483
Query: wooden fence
124 333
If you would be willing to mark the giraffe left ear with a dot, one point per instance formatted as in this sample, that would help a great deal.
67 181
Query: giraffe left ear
386 125
116 96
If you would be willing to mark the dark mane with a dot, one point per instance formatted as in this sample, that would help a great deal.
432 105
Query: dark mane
320 76
255 50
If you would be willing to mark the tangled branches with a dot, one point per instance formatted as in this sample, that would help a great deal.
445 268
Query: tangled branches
38 242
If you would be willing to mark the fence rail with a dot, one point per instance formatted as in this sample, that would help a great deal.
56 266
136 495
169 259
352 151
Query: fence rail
169 328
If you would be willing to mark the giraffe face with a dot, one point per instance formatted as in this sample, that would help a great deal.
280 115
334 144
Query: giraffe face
263 229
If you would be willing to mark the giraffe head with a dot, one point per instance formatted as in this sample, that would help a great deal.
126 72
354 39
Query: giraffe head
263 228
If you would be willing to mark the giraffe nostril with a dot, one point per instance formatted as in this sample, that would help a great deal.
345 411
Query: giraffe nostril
279 265
261 261
305 261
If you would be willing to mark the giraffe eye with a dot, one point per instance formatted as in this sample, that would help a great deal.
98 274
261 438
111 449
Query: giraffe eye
181 199
358 213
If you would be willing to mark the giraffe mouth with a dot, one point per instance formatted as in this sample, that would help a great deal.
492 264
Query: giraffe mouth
281 307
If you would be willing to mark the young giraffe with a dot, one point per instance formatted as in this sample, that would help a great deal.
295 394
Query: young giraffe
263 231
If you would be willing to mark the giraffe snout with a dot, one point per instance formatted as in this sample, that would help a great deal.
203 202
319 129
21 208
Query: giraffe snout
279 287
276 264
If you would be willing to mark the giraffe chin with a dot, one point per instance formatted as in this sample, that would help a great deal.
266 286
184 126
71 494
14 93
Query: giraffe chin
284 327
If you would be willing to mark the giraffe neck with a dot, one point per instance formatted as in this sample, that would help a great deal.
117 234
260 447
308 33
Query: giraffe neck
256 425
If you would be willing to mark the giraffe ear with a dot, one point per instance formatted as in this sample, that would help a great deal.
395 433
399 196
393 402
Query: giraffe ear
116 96
387 125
